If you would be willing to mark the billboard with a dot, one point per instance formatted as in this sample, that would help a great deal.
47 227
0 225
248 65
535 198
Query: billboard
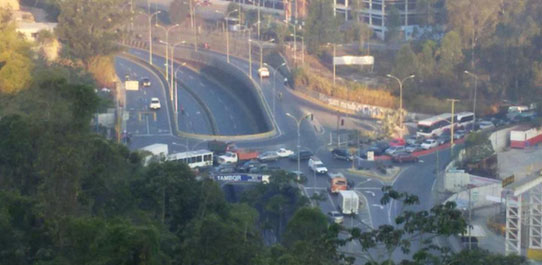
243 178
350 60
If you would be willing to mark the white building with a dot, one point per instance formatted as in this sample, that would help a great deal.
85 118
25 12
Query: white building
376 13
30 29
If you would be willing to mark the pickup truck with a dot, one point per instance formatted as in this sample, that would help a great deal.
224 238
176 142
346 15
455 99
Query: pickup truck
316 165
237 155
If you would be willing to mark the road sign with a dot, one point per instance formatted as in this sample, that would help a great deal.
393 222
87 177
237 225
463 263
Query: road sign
243 178
507 181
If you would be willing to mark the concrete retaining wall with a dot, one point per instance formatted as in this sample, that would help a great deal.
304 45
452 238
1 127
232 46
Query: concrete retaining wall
241 85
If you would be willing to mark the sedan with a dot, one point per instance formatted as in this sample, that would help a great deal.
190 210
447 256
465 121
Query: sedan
404 157
341 154
269 156
250 164
335 217
303 155
485 125
283 152
155 103
459 134
413 148
394 149
429 143
146 82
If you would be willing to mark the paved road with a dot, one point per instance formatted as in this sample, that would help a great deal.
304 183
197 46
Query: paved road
229 117
142 121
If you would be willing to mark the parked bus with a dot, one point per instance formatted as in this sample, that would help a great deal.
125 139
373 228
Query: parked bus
464 120
434 126
194 159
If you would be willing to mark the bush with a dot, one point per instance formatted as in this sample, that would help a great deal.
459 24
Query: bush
351 91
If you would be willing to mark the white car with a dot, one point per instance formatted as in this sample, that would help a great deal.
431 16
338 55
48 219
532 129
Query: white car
429 143
283 152
336 217
485 125
317 166
263 72
155 103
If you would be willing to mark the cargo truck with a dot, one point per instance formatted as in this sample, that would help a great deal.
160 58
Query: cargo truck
237 156
348 202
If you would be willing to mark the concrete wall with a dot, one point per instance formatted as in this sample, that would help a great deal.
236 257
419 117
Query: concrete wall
500 139
239 83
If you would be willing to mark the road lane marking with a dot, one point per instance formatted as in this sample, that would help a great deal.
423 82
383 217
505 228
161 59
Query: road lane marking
370 192
201 84
378 205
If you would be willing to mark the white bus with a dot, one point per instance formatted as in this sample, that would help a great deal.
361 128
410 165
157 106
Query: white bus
194 159
434 126
464 120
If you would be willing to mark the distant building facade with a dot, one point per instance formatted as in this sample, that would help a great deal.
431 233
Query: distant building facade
375 13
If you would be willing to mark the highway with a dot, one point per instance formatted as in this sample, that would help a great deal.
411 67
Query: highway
416 179
229 115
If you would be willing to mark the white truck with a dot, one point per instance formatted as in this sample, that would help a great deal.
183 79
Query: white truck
348 202
316 165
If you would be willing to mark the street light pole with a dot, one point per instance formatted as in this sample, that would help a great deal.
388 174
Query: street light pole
298 123
275 85
228 35
474 100
333 61
400 99
249 56
150 33
172 77
167 29
302 50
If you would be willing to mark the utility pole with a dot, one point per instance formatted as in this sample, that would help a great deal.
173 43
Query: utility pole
453 126
474 100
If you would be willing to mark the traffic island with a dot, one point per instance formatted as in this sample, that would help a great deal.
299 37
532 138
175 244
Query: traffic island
384 173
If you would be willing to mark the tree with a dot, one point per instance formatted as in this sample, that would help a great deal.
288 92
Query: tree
405 62
178 11
307 224
91 28
393 24
474 21
477 147
450 54
426 60
15 63
410 227
320 26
